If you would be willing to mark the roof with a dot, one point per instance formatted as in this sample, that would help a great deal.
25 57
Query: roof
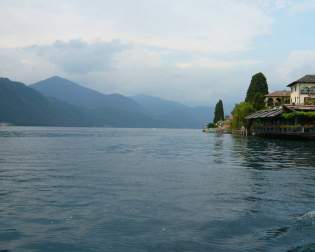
300 107
270 113
282 93
265 113
305 79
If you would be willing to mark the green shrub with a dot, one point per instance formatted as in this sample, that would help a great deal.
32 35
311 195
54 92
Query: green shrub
298 114
239 113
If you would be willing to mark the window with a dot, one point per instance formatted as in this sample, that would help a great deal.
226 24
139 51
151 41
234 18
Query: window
270 102
278 102
305 90
309 101
312 90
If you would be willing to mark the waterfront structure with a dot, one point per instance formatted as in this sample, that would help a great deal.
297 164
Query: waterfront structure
289 113
289 121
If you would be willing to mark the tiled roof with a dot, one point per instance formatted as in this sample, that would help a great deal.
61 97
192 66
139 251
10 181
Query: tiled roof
305 79
281 93
270 113
265 113
300 107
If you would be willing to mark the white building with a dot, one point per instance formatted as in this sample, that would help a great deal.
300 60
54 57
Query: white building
303 91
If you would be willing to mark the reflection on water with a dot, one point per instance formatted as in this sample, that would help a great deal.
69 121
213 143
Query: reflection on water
75 189
260 153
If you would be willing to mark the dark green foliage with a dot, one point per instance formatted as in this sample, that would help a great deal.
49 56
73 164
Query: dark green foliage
211 125
257 90
218 112
298 114
239 113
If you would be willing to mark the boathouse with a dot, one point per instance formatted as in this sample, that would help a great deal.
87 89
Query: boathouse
289 114
287 121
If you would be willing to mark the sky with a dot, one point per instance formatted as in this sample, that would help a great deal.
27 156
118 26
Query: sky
191 51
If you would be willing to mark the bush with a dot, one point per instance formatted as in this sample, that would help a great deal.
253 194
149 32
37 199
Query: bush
239 113
300 114
211 125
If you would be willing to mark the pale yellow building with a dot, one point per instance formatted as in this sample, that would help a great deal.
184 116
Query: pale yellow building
277 98
303 91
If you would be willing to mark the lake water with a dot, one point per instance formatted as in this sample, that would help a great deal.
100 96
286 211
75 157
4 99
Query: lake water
91 189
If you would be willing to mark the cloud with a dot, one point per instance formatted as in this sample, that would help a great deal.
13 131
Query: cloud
214 64
120 67
77 56
300 6
71 58
21 65
187 25
290 5
187 50
297 64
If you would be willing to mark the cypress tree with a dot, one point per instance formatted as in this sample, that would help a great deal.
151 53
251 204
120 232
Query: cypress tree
257 90
218 112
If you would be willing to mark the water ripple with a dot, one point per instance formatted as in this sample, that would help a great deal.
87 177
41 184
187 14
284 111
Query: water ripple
79 189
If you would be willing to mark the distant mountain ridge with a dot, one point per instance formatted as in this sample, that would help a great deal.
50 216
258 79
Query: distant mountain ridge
75 94
171 114
157 106
60 102
175 113
22 105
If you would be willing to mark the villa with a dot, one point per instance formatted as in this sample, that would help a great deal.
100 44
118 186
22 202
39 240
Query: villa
303 90
289 114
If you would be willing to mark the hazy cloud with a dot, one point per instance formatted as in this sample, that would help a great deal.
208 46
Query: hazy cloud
297 64
127 68
206 25
77 56
213 64
191 51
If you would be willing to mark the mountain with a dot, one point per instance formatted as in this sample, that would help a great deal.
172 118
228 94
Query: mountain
75 94
177 114
157 106
164 112
22 105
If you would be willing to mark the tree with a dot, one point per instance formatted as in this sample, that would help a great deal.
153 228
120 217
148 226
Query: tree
239 113
218 112
257 90
211 125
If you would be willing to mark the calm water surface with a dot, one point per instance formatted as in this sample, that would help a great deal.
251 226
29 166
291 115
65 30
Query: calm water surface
75 189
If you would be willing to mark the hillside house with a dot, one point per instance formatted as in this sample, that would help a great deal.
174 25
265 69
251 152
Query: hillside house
303 91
